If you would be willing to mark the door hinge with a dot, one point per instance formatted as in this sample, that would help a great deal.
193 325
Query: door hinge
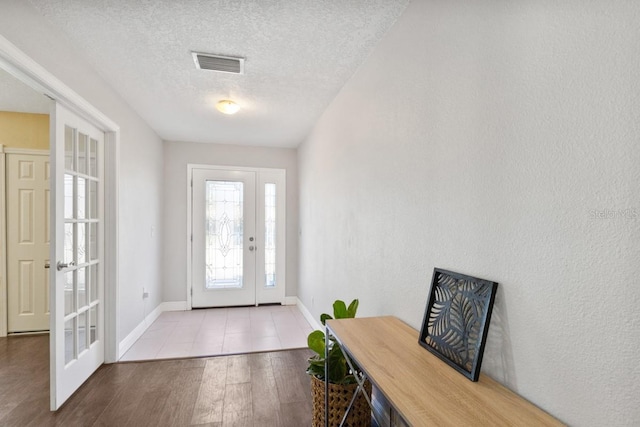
191 291
192 238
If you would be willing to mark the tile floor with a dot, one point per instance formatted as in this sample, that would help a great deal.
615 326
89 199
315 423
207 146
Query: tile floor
215 331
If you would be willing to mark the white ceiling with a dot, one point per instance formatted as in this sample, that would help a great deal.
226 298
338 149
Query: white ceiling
299 54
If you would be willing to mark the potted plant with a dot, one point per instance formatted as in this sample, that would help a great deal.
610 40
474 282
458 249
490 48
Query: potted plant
342 381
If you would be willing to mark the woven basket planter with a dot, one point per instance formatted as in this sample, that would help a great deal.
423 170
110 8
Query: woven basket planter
339 398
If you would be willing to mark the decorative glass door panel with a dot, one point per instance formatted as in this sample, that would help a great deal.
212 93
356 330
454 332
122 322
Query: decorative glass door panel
270 235
224 228
271 266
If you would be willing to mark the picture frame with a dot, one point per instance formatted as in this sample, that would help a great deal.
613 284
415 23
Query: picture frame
456 320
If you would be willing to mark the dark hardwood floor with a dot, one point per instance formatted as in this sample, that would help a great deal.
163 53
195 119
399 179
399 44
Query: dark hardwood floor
260 389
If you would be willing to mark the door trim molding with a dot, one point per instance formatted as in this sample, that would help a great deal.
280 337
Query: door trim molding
28 151
3 248
25 69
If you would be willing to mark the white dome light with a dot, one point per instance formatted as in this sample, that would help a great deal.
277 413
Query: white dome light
227 107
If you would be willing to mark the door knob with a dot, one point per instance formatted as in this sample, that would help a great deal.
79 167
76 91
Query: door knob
61 265
252 248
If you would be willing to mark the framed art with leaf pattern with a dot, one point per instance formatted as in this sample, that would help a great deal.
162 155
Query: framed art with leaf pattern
456 321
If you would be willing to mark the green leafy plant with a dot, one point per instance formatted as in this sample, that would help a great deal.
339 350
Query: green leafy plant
339 371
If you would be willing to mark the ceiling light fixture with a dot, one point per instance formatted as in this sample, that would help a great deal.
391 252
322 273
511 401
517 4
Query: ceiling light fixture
227 107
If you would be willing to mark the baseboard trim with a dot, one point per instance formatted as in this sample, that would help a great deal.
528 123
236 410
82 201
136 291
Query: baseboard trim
290 301
137 332
174 306
315 324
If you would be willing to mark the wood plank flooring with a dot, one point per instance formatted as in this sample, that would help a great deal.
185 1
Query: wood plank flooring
259 389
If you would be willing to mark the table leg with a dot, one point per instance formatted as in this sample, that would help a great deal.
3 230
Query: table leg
360 379
326 377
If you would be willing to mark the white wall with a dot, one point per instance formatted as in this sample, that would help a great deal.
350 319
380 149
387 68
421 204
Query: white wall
177 156
141 158
487 137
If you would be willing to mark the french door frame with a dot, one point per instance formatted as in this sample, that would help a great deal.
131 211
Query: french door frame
280 263
25 69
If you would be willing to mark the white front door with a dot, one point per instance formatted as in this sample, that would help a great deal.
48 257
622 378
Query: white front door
27 241
237 237
77 218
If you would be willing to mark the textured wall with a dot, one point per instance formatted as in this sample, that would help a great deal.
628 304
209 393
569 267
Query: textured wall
24 130
140 162
177 156
498 139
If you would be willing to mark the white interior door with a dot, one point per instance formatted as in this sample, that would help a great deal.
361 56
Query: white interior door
77 218
27 180
237 237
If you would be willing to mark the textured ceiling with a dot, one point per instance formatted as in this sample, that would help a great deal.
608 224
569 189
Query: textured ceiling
17 97
299 54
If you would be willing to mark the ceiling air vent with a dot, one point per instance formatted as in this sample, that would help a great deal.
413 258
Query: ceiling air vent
224 64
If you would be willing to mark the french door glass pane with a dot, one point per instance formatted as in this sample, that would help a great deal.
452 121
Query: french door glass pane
68 243
92 238
224 234
68 196
81 197
93 318
93 282
93 153
69 341
82 244
93 200
82 332
69 148
270 235
82 289
82 153
69 299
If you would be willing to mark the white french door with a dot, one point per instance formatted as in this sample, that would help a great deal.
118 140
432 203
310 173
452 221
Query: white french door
237 237
77 219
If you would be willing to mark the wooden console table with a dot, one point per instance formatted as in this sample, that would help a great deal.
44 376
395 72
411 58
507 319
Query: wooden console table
423 389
